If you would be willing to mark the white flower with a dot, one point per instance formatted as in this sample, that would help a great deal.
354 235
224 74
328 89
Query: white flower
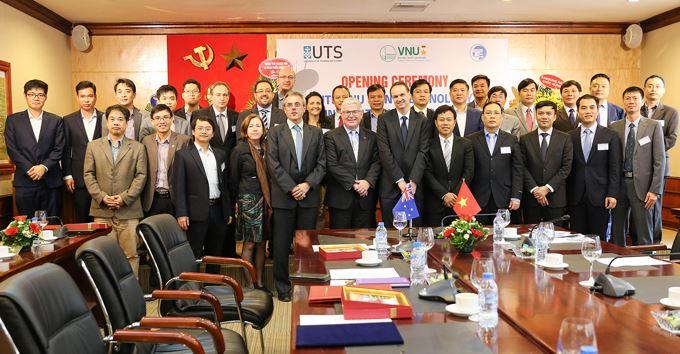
467 236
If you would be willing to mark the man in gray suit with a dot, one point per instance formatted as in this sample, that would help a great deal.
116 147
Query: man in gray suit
643 165
125 92
271 116
509 123
166 95
526 111
667 116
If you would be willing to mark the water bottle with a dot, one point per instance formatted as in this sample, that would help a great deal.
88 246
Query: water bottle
380 241
541 246
488 302
418 262
498 229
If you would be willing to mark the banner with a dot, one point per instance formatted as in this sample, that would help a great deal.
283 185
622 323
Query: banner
232 58
322 64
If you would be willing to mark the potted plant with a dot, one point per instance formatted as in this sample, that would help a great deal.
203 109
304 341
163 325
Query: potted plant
19 233
464 233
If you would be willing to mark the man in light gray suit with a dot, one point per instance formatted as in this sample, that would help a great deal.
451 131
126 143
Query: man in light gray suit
643 165
166 95
510 123
526 110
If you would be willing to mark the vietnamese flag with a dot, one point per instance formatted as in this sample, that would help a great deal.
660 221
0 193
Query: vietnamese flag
466 204
232 58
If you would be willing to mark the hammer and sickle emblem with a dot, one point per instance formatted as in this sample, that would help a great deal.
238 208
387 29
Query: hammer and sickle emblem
204 62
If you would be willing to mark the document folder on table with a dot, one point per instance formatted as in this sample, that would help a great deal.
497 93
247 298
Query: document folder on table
346 335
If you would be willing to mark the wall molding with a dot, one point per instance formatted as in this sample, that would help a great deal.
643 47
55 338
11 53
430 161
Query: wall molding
661 20
41 13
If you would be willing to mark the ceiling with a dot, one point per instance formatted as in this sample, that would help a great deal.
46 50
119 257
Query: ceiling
205 11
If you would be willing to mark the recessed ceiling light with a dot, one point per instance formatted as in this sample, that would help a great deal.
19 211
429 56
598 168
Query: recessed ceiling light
633 0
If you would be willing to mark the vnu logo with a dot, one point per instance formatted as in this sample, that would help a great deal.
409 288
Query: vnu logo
322 52
307 50
478 52
412 51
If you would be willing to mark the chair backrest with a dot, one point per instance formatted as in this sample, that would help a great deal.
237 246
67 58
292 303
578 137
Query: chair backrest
113 279
44 313
675 248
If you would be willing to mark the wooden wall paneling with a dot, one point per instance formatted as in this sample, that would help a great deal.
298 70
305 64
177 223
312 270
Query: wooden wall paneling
671 199
661 20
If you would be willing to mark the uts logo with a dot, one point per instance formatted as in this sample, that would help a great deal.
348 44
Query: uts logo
322 53
478 52
307 50
388 53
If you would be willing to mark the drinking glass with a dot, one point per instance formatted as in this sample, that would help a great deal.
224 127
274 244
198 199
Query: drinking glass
591 249
575 332
41 219
426 239
479 267
505 216
399 221
548 229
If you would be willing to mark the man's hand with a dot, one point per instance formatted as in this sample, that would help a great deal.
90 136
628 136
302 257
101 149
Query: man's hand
119 201
36 172
609 203
183 222
110 201
413 189
300 191
449 199
541 192
230 220
543 201
402 186
70 185
361 187
514 205
650 200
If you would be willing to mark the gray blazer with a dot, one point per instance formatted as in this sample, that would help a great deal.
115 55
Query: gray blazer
181 127
648 159
137 117
517 112
668 117
511 124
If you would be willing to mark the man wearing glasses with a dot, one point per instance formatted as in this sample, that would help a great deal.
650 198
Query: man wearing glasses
263 92
285 82
35 142
191 95
167 95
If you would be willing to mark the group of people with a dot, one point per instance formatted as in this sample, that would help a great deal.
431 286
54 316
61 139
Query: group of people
263 173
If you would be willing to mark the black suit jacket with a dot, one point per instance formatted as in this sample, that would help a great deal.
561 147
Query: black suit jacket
26 152
228 143
366 121
554 171
344 169
600 176
562 122
76 144
283 168
439 181
190 184
399 161
499 174
473 122
277 117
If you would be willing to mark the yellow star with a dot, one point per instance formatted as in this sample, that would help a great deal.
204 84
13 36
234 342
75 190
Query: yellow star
234 58
462 202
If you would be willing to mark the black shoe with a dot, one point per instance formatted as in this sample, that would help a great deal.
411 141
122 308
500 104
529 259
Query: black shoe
284 297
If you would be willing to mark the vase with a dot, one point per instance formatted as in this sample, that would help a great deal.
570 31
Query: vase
467 249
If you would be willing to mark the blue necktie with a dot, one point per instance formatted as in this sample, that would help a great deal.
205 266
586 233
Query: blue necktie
587 143
354 139
298 145
491 142
404 130
630 147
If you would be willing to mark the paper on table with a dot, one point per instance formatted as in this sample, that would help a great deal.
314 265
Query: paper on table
560 233
316 247
573 239
354 273
632 261
315 320
339 282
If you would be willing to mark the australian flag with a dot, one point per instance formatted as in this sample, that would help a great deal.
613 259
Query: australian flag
407 204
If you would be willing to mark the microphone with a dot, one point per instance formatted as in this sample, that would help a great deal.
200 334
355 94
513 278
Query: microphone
612 286
455 216
62 230
564 217
443 290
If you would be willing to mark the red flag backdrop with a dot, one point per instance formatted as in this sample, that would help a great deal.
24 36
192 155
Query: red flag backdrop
224 50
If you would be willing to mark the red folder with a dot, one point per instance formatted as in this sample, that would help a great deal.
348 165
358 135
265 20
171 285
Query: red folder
319 294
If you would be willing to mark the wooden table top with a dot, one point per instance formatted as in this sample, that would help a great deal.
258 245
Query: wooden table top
532 302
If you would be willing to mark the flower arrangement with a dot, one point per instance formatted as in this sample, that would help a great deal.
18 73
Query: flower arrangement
20 232
545 93
464 234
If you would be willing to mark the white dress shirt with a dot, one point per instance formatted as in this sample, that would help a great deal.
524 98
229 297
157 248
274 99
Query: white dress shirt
210 166
90 124
603 115
461 120
36 124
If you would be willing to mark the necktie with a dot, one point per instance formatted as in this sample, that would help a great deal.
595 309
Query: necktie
587 143
447 153
404 130
491 142
263 114
529 120
298 145
354 139
220 123
544 145
630 146
339 121
572 117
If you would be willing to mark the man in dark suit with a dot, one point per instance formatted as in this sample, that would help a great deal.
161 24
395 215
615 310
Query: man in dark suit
608 112
420 91
263 92
644 159
339 94
285 81
594 182
296 159
35 143
125 92
191 95
224 136
80 127
450 160
403 140
547 155
566 116
498 165
353 171
166 95
468 120
201 196
376 102
480 88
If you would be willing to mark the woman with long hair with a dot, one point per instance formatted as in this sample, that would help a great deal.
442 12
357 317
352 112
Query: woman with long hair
315 113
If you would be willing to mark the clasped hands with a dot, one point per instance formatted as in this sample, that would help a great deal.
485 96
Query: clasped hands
36 172
361 186
300 191
113 202
541 195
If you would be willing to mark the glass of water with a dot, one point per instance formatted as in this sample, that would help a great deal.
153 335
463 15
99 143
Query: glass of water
576 333
426 239
591 249
479 267
41 219
399 221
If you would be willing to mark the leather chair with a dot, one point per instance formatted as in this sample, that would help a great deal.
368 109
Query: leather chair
123 303
43 312
176 268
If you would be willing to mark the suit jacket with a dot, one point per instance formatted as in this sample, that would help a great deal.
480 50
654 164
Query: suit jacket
473 123
511 124
562 122
439 180
600 176
554 171
668 118
228 143
517 112
76 145
399 160
26 152
499 174
177 142
137 117
366 121
344 168
191 193
614 113
648 159
125 178
181 127
182 113
283 168
277 117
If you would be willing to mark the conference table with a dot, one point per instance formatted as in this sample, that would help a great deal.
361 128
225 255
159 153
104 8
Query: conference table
532 301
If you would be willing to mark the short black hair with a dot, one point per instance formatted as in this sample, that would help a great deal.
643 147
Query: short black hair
338 88
497 89
488 103
158 108
459 81
86 84
481 77
119 108
525 83
166 88
194 121
655 77
375 87
570 83
546 103
633 89
191 81
443 109
603 75
420 82
127 82
261 81
586 97
35 84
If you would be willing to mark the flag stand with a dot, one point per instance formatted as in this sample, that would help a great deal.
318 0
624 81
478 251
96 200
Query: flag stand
410 231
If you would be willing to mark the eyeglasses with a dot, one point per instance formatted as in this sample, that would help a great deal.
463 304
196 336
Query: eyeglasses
263 91
204 129
291 105
351 113
36 95
162 118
